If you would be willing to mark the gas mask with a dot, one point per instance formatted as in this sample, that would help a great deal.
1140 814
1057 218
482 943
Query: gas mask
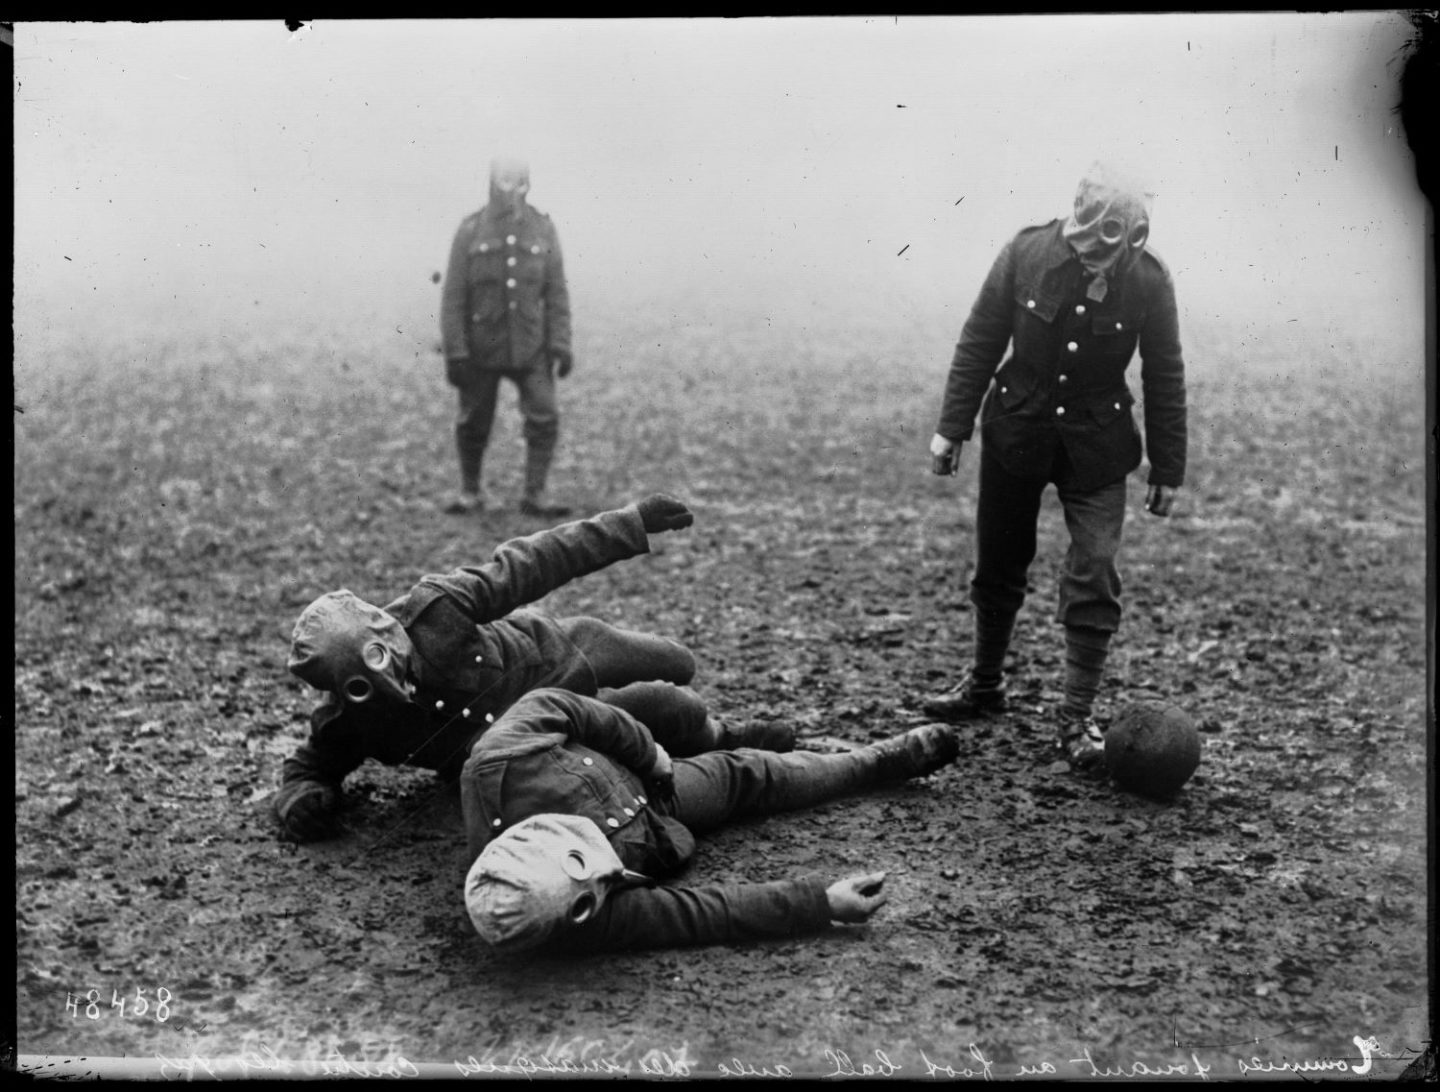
543 875
1109 225
509 183
346 645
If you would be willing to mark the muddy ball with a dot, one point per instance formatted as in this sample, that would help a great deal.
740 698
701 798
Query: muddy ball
1152 748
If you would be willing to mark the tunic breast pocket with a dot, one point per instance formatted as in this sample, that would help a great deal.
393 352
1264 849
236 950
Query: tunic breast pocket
1031 301
1114 335
530 260
487 260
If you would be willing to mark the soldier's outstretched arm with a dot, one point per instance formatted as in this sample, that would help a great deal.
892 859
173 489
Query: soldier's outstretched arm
527 569
667 917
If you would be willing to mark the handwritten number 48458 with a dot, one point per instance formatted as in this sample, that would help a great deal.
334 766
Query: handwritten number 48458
139 1005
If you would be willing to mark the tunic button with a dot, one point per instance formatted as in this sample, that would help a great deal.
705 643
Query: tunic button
643 801
1060 410
1119 326
1004 390
489 718
479 659
612 821
1073 346
511 260
475 317
510 283
484 247
1030 304
534 250
495 822
513 305
587 760
510 239
630 813
439 705
1064 379
464 712
1117 405
1079 308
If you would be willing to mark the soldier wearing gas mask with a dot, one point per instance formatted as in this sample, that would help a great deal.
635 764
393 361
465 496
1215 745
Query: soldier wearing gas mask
579 813
1072 300
505 314
414 683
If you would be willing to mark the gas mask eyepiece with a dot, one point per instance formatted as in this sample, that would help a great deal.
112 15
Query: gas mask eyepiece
376 656
358 689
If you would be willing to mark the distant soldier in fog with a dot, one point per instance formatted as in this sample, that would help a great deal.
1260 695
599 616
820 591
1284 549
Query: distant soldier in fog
1075 297
505 314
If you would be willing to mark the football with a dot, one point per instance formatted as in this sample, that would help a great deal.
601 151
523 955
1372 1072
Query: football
1152 748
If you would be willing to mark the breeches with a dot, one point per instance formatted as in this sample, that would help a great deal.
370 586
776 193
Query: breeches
711 789
623 656
1005 522
479 394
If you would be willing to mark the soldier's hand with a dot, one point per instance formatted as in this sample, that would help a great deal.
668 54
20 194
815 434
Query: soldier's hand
855 898
306 810
1159 499
563 360
661 513
944 456
663 772
456 369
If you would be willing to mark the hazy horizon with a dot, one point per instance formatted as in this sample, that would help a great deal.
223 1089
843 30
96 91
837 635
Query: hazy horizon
235 174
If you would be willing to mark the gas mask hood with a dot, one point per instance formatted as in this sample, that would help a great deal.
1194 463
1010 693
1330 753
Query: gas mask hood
1109 224
543 875
509 184
353 648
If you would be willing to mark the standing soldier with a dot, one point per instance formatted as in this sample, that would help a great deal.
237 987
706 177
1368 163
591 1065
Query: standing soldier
1076 296
505 313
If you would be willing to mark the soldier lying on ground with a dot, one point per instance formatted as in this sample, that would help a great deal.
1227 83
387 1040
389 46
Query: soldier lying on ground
574 809
414 683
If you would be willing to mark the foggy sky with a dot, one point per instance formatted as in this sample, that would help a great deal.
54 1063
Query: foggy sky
215 167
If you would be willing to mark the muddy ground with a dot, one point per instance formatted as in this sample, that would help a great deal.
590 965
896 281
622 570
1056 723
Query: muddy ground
178 500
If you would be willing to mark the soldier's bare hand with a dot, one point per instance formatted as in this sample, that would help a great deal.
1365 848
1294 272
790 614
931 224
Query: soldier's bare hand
663 772
661 513
1159 499
855 898
944 456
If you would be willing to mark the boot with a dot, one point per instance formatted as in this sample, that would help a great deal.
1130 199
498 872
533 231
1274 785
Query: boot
762 737
465 502
967 701
537 469
1082 742
918 752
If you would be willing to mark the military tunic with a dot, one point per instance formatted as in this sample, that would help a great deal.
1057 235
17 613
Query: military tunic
505 305
1063 386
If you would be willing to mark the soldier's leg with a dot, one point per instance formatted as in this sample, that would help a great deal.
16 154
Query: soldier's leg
1005 544
540 409
711 789
622 656
478 391
675 715
681 722
1089 607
